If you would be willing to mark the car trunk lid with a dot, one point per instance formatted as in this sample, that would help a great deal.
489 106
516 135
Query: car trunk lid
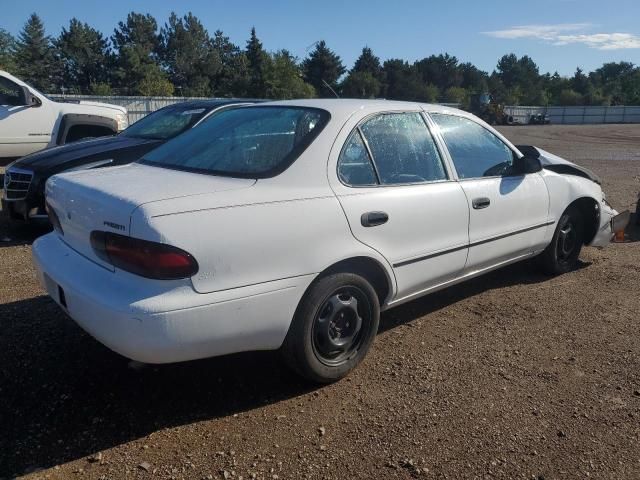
104 199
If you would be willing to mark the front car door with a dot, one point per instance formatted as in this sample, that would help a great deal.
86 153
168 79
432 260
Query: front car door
400 199
509 210
23 129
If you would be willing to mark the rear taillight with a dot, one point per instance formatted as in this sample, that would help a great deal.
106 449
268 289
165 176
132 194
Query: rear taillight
144 258
53 218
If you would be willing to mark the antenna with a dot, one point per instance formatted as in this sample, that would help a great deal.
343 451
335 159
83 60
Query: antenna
329 87
323 80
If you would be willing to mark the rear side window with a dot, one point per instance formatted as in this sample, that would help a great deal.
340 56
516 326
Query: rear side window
402 149
354 166
249 142
475 151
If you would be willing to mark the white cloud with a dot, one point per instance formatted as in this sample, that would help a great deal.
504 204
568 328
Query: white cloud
569 33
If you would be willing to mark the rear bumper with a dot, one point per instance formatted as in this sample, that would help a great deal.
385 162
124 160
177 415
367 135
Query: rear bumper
162 322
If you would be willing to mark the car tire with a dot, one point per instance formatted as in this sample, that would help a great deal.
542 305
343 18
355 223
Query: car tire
333 327
561 255
638 212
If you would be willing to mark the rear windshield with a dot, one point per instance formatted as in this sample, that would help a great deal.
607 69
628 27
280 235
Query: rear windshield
166 123
250 142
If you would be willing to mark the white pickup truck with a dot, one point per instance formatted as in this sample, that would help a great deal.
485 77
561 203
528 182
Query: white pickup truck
29 121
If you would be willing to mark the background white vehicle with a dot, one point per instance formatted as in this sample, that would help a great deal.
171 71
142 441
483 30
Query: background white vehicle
29 121
292 224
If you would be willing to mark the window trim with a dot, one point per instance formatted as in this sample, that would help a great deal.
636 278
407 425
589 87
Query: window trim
357 129
453 165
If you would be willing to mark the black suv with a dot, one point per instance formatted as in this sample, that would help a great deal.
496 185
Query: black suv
24 179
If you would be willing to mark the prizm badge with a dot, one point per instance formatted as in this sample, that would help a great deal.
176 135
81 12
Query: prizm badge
115 226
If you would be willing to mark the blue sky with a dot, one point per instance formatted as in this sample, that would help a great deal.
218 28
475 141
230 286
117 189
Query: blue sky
559 34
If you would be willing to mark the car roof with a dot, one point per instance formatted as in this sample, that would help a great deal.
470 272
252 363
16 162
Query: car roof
344 107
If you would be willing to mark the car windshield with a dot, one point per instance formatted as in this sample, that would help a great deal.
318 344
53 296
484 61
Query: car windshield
166 123
249 142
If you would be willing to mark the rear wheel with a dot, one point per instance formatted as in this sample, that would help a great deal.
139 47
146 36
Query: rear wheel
561 255
333 327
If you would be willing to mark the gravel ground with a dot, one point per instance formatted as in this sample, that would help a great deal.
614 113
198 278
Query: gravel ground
513 375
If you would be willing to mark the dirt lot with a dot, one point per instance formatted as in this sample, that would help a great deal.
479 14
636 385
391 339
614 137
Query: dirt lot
513 375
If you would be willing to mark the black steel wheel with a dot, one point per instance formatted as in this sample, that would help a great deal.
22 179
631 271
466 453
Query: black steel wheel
561 255
333 327
340 325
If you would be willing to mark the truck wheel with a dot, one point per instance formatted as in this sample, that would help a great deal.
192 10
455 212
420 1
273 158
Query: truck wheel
561 255
333 327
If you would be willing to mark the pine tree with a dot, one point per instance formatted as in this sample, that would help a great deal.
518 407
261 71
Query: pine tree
34 56
85 57
367 62
7 48
323 65
189 56
137 44
233 77
366 78
404 82
256 61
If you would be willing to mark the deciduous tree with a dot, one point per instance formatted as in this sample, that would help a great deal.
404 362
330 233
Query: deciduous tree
283 78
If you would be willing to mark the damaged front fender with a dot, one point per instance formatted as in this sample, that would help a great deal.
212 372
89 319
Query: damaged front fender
558 164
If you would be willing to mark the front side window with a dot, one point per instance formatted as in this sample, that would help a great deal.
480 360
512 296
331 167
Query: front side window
475 151
250 142
166 123
10 93
402 148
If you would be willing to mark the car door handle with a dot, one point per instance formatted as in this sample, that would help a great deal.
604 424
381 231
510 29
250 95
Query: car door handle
373 219
482 202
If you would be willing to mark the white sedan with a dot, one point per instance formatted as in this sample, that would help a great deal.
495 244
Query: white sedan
292 224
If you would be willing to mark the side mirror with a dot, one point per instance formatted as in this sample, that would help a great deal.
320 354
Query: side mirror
28 99
527 164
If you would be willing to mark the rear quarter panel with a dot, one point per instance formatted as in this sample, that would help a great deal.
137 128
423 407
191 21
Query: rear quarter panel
259 242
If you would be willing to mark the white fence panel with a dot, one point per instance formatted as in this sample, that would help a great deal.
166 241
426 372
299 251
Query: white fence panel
577 115
138 107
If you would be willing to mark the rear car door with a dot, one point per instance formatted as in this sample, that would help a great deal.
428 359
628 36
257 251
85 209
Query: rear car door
508 210
400 199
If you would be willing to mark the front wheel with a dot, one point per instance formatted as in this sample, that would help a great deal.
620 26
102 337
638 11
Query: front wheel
333 327
561 255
